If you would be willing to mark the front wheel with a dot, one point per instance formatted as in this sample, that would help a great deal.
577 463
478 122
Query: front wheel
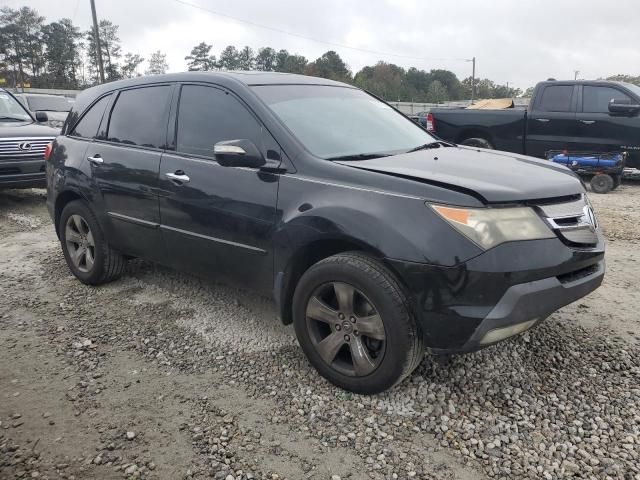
602 183
353 321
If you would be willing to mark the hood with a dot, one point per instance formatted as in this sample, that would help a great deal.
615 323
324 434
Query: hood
24 129
494 176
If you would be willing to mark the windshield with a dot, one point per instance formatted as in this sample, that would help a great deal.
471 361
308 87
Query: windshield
634 88
50 104
10 109
335 122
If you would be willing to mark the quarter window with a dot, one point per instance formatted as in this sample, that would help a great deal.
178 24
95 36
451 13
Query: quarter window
596 99
209 115
140 117
88 125
556 98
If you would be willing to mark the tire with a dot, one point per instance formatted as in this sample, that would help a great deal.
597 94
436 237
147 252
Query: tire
602 183
379 296
477 142
102 264
617 180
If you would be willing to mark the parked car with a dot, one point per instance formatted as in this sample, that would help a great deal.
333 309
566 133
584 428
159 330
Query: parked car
55 106
22 145
376 240
594 116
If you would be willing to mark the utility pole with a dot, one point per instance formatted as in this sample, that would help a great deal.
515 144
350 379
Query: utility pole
473 79
97 38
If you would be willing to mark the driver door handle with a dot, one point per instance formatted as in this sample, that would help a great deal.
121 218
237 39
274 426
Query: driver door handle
96 160
588 122
179 176
543 120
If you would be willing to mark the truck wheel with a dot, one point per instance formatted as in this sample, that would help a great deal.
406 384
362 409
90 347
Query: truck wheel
602 183
477 142
89 257
617 180
354 323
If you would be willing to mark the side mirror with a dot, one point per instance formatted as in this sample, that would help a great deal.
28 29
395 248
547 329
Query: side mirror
42 117
623 107
238 153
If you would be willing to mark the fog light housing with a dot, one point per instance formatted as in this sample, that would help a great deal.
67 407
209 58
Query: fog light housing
497 334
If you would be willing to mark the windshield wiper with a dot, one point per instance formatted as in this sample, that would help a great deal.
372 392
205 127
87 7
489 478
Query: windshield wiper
360 156
426 146
17 119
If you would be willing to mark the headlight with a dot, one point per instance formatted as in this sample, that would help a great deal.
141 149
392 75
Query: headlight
488 227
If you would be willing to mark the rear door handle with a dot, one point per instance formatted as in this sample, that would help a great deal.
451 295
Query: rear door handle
543 120
96 160
179 176
588 122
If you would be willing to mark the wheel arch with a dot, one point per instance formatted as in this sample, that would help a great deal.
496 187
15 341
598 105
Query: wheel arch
303 258
62 200
475 132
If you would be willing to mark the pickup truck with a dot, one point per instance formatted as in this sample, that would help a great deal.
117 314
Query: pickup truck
595 116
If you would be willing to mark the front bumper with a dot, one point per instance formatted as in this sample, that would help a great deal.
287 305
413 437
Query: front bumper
462 308
22 173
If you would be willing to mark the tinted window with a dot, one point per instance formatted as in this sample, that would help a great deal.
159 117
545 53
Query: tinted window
341 121
556 98
596 99
140 116
208 116
88 125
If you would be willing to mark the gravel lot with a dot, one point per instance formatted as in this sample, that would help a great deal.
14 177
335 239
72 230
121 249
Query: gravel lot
163 375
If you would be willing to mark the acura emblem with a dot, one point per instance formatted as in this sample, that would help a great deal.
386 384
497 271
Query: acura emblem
25 146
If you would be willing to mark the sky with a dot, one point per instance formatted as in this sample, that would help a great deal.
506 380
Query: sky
518 42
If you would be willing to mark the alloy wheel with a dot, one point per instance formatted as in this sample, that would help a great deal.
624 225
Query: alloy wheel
346 329
80 243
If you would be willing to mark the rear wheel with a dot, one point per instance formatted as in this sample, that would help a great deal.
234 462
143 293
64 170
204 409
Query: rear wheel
89 257
602 183
353 322
477 142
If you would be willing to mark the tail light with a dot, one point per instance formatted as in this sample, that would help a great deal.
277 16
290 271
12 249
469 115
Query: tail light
431 123
47 150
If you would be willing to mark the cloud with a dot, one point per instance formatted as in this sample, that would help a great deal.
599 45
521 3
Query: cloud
519 42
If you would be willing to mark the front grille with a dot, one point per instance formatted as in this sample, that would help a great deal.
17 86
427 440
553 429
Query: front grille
31 148
573 221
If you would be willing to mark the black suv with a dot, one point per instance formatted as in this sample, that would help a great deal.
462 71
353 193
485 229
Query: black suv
22 145
376 239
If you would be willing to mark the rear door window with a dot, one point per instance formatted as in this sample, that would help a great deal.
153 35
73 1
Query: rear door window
556 98
596 99
209 115
139 117
88 125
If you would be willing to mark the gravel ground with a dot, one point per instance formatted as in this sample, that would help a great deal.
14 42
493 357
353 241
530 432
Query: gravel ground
163 375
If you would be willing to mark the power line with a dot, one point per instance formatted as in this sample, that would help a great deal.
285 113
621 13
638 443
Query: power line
298 35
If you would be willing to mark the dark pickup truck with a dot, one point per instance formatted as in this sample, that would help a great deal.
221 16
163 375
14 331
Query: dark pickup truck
596 116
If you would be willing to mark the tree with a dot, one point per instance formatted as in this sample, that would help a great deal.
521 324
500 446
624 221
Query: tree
266 59
157 63
287 63
437 92
130 66
229 58
21 42
384 79
329 65
199 59
625 78
111 50
246 59
62 53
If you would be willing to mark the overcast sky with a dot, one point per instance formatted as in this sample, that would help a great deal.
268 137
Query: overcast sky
515 41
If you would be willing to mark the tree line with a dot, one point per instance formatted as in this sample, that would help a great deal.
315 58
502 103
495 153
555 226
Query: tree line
60 55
